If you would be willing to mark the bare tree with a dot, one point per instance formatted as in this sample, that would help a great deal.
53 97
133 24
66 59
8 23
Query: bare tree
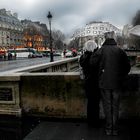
136 19
58 38
74 43
135 39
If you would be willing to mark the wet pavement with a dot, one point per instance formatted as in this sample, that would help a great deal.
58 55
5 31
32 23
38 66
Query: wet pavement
50 130
18 63
32 128
14 128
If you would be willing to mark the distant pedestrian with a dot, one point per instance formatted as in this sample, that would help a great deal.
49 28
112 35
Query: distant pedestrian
64 53
91 83
113 68
9 56
74 52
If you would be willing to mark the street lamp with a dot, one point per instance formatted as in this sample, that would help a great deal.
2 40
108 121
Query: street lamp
49 16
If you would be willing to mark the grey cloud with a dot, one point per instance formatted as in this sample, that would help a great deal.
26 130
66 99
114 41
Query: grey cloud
71 14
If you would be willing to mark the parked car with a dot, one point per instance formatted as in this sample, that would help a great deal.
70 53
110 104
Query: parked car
45 54
57 53
32 55
68 54
39 54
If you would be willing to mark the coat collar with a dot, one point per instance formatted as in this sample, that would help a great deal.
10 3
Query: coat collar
109 42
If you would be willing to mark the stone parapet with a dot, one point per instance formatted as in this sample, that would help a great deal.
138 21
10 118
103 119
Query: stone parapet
62 95
33 92
53 95
59 95
9 95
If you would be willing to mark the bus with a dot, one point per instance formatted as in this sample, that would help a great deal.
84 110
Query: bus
22 52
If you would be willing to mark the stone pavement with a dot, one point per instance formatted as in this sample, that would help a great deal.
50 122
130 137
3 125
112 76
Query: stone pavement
48 130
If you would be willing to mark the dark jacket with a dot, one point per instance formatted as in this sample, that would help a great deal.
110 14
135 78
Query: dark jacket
84 63
113 65
90 74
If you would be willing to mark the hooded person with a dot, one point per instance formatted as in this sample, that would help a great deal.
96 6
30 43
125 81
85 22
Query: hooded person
91 83
90 46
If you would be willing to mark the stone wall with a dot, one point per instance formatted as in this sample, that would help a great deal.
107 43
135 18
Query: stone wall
59 94
9 95
53 95
62 95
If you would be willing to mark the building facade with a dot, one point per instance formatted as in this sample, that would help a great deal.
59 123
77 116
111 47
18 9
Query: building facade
11 30
35 35
18 34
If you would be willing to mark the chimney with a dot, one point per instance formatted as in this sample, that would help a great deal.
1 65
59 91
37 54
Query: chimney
15 15
8 13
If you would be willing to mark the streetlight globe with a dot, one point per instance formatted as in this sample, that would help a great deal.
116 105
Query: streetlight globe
49 16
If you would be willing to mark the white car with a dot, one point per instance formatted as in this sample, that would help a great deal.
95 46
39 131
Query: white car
68 54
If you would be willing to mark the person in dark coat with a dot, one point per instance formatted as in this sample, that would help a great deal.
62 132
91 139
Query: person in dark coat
113 68
91 84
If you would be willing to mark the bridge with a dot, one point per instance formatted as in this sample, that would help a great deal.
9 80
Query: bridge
55 90
46 75
132 52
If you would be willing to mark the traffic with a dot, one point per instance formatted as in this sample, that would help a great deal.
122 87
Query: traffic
22 53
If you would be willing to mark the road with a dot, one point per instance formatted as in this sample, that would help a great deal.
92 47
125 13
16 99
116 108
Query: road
13 64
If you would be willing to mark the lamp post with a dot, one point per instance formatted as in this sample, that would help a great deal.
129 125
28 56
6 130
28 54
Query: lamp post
49 16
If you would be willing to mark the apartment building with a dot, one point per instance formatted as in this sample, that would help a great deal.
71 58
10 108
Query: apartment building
11 30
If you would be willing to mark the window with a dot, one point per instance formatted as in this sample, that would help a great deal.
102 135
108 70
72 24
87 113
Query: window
100 32
101 28
83 34
88 27
94 32
107 29
88 31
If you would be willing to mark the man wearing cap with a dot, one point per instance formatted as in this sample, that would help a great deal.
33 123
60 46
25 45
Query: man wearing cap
113 68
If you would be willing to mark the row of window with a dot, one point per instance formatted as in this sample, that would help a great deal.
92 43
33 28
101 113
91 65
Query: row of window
8 41
9 20
92 33
11 27
99 28
95 30
3 33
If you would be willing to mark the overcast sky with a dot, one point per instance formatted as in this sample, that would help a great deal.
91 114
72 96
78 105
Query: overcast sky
69 15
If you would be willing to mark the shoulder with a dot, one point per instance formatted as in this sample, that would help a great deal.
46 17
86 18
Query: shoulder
86 54
84 57
122 51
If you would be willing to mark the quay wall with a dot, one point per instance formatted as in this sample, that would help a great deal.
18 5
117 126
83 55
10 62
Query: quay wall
9 95
61 95
58 94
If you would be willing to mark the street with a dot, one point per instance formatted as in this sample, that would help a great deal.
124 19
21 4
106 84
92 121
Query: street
13 64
